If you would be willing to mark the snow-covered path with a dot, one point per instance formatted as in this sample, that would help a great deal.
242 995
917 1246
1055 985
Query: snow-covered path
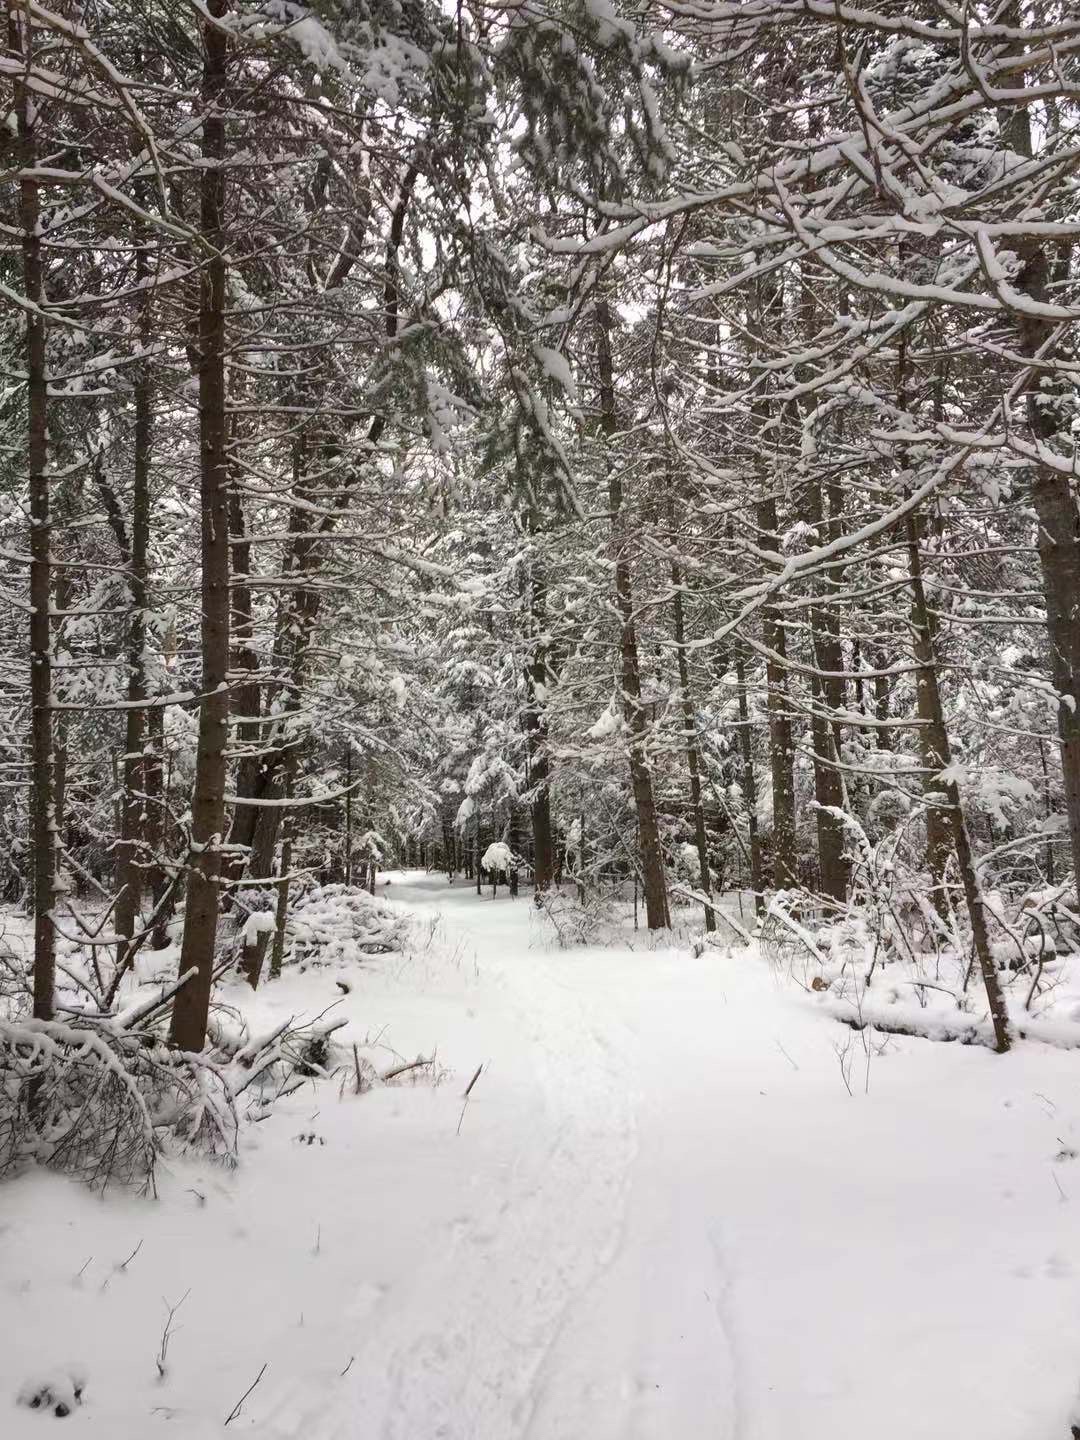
665 1218
696 1231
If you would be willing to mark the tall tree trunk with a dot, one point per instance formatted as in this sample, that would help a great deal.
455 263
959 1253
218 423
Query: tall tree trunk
1059 552
930 699
43 816
133 820
535 720
156 801
650 854
281 908
246 693
192 1003
349 816
933 740
749 785
827 696
827 685
781 727
258 774
881 702
1051 491
767 315
686 704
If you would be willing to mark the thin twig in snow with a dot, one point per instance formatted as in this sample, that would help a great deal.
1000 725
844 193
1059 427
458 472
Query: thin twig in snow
167 1334
235 1411
468 1092
118 1269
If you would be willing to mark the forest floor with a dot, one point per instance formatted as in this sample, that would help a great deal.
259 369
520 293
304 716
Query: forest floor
681 1203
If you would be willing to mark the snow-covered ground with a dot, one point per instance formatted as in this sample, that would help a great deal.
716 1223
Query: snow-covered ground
682 1203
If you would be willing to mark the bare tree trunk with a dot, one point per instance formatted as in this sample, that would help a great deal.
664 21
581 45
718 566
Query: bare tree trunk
258 774
933 739
649 849
281 911
1059 551
749 785
693 759
535 723
43 816
881 702
828 694
930 700
781 730
134 813
1051 491
1058 542
156 802
348 814
246 693
192 1003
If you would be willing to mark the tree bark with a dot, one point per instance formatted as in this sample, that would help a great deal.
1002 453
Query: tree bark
43 814
749 785
881 702
281 908
134 812
1051 492
828 695
933 738
781 728
535 721
650 853
686 704
192 1004
930 700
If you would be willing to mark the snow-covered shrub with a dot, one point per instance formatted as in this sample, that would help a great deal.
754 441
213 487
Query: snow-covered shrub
575 921
98 1100
334 924
498 858
888 810
892 958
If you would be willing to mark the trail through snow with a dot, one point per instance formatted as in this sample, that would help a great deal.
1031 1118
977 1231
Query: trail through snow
665 1218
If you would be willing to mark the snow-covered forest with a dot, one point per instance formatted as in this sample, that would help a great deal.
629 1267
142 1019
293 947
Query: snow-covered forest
540 719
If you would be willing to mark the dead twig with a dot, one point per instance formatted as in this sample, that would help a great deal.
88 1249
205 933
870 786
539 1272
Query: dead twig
235 1411
167 1334
411 1065
468 1092
121 1267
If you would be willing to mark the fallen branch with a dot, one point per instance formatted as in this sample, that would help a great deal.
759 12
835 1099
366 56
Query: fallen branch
700 898
402 1069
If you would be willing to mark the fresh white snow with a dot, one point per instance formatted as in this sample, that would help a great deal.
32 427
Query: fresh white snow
661 1215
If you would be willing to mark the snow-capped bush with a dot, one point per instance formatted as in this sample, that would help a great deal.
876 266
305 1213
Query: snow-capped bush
575 921
335 924
498 857
99 1100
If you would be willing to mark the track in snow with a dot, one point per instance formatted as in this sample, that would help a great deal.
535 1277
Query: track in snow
701 1235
